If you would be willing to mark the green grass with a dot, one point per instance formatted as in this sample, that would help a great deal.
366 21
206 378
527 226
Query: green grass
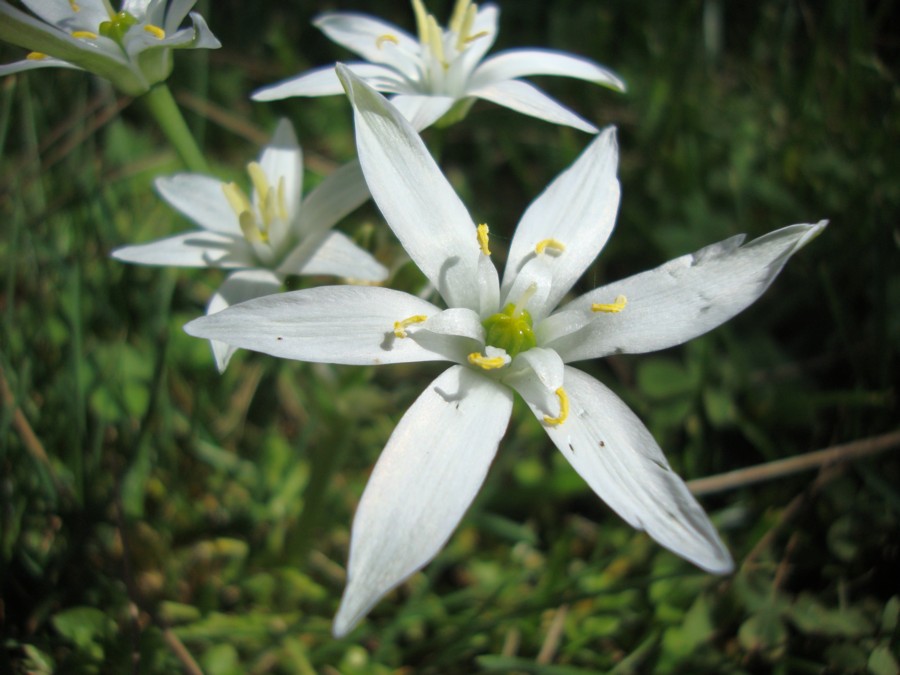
161 509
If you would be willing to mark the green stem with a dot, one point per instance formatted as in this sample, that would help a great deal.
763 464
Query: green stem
162 105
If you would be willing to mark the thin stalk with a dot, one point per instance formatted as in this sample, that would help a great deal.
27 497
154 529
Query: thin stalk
165 110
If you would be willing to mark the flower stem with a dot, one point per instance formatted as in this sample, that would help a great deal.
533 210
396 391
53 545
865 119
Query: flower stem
162 105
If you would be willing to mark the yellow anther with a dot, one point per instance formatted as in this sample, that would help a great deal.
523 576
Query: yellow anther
401 326
84 35
436 41
459 15
236 198
421 21
610 308
486 362
75 8
35 56
251 230
563 409
282 203
480 34
483 238
553 244
387 37
260 181
155 31
462 39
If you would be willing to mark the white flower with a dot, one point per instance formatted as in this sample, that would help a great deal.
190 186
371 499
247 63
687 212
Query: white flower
266 237
444 67
504 337
131 48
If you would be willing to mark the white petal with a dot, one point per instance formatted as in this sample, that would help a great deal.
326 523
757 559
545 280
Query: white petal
537 374
415 198
578 209
516 63
239 287
455 332
175 13
676 302
361 34
59 13
201 199
485 27
422 111
283 158
192 249
32 64
352 325
321 82
339 256
529 100
613 451
337 195
426 478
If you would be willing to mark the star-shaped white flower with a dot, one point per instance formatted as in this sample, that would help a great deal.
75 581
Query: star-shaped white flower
444 67
131 48
266 237
504 337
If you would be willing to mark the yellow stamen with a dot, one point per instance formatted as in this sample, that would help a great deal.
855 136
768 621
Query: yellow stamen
480 34
35 56
401 326
486 362
610 308
483 238
75 8
553 244
282 204
459 15
250 228
155 31
436 41
421 21
260 180
563 409
463 35
84 34
387 37
236 198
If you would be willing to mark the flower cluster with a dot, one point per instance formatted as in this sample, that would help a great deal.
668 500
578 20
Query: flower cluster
515 333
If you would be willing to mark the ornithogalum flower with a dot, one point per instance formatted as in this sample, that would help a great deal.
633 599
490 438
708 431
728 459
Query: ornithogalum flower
131 48
444 68
504 336
263 238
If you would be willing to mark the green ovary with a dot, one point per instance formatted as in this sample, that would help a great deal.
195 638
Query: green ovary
116 27
510 331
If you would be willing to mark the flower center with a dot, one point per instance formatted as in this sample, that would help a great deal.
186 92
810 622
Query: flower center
270 202
510 330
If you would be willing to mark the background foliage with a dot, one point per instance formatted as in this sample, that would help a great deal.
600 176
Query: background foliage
163 517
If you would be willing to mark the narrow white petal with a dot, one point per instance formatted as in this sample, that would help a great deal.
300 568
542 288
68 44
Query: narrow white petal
31 64
426 478
676 302
283 158
339 256
320 82
537 374
418 203
175 13
239 287
352 325
192 249
203 36
362 34
485 27
340 193
516 63
613 451
455 332
578 210
529 100
59 13
420 110
201 199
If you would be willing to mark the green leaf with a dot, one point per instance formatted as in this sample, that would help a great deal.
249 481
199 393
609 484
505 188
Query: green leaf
86 628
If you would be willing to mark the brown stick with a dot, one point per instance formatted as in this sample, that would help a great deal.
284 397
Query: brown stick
791 465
